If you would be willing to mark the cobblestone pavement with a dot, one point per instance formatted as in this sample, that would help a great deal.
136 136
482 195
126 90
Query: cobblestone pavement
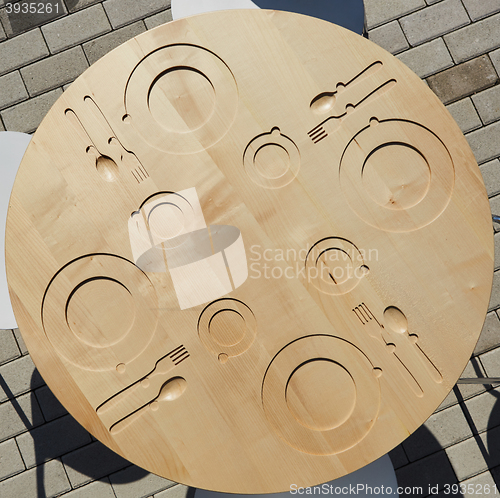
453 44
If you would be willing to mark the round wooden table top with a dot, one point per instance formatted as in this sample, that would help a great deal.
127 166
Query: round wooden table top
249 249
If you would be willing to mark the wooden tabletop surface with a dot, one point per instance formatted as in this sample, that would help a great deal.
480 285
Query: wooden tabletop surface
249 249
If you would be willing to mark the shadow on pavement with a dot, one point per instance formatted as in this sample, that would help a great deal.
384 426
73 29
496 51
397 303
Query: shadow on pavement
85 458
429 464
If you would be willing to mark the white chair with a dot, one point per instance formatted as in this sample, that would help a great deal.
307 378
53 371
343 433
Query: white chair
12 148
347 13
377 478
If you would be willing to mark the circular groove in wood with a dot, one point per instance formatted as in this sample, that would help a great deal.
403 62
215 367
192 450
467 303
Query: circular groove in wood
227 327
321 394
320 431
181 99
396 176
166 220
121 368
334 266
100 312
165 115
337 263
272 160
381 198
80 317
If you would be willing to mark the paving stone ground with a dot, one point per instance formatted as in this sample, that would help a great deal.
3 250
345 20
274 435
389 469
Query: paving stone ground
453 44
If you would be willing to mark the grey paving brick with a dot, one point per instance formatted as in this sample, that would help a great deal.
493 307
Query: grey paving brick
20 376
450 400
2 33
22 50
431 22
2 127
431 2
26 485
461 392
495 472
50 405
389 36
473 369
177 491
54 71
381 12
427 59
488 104
463 80
11 462
398 457
19 415
495 291
476 39
481 8
158 19
495 59
121 12
484 142
76 28
491 177
52 440
485 410
26 116
20 342
442 429
474 455
92 462
74 5
97 489
95 49
479 484
497 246
429 471
8 345
491 362
465 114
134 482
15 24
12 89
490 335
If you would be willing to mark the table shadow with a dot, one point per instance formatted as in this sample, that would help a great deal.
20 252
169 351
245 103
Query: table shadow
491 450
427 467
46 450
427 464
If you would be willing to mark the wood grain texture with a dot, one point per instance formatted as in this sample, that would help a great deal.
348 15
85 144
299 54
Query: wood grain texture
249 249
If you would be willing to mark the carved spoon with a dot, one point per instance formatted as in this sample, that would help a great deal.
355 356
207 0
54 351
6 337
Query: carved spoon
170 390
